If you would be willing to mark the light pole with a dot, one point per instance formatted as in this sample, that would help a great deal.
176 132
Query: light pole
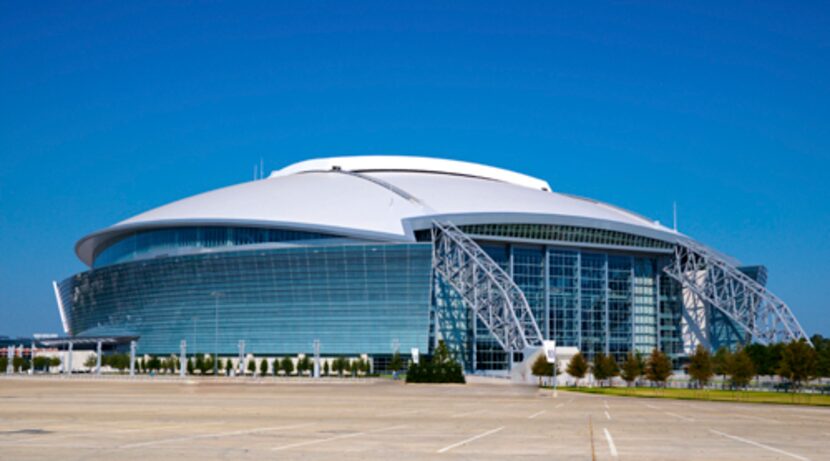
216 295
555 362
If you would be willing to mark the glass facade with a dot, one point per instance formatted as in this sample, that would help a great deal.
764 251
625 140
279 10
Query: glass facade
488 354
563 283
177 240
368 298
599 302
560 233
670 335
353 298
645 306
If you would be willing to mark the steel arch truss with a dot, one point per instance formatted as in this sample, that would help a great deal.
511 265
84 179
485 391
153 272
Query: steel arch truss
486 288
763 315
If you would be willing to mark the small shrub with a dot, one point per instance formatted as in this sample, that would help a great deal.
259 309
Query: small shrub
440 369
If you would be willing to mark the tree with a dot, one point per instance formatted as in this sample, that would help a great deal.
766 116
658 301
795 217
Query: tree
720 362
741 369
154 364
339 366
53 362
798 363
40 363
613 368
90 362
395 364
191 367
200 363
4 363
632 368
263 367
658 367
541 367
118 361
577 367
358 366
822 346
229 367
605 367
252 366
442 368
20 364
325 368
759 354
700 366
304 365
287 366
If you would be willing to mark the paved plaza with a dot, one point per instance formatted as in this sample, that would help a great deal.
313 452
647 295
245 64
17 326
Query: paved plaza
82 418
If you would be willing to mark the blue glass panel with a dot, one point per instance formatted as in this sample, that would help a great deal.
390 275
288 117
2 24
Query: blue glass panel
166 242
353 298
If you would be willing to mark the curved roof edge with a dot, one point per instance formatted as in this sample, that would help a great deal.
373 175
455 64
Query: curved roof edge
369 163
462 219
86 246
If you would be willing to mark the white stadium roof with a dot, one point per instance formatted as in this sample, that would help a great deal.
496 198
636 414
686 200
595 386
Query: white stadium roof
382 197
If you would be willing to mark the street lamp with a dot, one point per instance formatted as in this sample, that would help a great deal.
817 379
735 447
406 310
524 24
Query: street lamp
216 295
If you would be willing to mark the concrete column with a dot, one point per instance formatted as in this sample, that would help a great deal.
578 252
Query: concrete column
10 356
132 358
68 369
316 358
98 358
32 358
241 363
183 358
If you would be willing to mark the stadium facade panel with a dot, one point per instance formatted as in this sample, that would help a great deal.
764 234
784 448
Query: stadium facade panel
371 254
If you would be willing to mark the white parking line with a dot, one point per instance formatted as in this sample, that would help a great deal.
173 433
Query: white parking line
336 437
399 413
611 447
759 445
469 413
466 441
756 418
821 420
604 402
679 416
652 406
607 415
211 436
559 405
539 413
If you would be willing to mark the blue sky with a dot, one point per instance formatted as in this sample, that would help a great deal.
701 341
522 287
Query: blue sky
109 109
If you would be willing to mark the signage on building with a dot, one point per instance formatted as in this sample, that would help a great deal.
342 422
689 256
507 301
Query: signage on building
550 350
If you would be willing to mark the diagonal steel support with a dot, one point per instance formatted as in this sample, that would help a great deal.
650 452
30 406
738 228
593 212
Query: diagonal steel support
749 304
486 288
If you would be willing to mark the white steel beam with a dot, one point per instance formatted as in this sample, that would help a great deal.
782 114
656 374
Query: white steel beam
486 288
749 304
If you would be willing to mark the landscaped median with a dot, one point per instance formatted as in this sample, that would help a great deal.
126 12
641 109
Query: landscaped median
709 394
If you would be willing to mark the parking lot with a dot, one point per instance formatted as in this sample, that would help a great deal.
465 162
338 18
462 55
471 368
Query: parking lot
83 418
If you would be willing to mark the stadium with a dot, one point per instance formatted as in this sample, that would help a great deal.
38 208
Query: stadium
369 255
